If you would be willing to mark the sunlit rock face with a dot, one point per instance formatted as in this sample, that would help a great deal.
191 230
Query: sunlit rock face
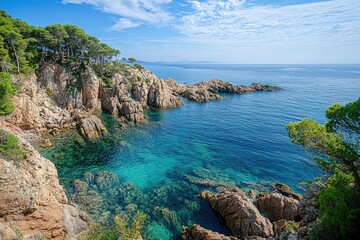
33 202
241 215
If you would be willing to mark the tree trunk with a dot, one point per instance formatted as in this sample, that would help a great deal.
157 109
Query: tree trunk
16 57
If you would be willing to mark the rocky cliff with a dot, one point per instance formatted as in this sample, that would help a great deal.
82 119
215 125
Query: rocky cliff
32 202
57 99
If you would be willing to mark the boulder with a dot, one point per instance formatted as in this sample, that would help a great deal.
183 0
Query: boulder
196 232
240 214
286 191
277 206
131 109
91 127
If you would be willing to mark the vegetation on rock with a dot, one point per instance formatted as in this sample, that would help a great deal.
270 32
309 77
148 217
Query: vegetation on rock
10 147
335 147
7 90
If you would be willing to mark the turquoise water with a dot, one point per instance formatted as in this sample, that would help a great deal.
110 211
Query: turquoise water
240 140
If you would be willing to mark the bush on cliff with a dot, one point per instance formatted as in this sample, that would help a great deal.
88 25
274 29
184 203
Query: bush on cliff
338 204
10 147
336 147
7 90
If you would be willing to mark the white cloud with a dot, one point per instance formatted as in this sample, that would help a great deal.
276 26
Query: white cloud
239 30
241 22
132 12
124 23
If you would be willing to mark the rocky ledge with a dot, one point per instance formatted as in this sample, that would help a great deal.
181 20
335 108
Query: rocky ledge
266 215
32 200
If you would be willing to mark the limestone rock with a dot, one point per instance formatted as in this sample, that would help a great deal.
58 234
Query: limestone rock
32 200
196 232
240 214
91 127
277 206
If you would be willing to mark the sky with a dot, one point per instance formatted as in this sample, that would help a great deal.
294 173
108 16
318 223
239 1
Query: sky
226 31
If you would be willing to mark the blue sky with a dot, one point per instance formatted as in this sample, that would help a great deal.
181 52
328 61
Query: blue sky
236 31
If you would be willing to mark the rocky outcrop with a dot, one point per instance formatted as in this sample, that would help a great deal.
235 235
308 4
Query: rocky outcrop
308 209
35 111
33 202
197 94
277 206
219 86
240 214
207 91
90 88
196 232
91 127
131 109
286 191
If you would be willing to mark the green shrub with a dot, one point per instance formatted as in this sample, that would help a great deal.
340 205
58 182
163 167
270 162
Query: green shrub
7 90
10 147
339 207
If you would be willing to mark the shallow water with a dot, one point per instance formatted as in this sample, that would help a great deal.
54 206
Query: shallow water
239 140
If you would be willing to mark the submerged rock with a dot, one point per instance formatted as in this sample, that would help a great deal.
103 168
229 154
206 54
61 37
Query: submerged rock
240 214
46 143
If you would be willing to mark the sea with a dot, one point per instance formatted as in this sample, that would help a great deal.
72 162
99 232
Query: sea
239 141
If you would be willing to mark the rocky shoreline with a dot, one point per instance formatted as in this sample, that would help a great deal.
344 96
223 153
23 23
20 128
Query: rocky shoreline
53 101
271 215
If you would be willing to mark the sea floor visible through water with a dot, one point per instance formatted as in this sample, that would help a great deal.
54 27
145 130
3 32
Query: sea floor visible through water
161 167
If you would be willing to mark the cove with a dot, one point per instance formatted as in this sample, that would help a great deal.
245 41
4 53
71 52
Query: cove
163 165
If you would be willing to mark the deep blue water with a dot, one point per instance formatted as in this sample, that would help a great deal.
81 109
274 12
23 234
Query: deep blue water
241 138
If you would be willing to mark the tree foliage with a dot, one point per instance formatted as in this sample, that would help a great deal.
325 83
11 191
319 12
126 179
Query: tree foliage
339 205
10 147
23 47
7 90
335 147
